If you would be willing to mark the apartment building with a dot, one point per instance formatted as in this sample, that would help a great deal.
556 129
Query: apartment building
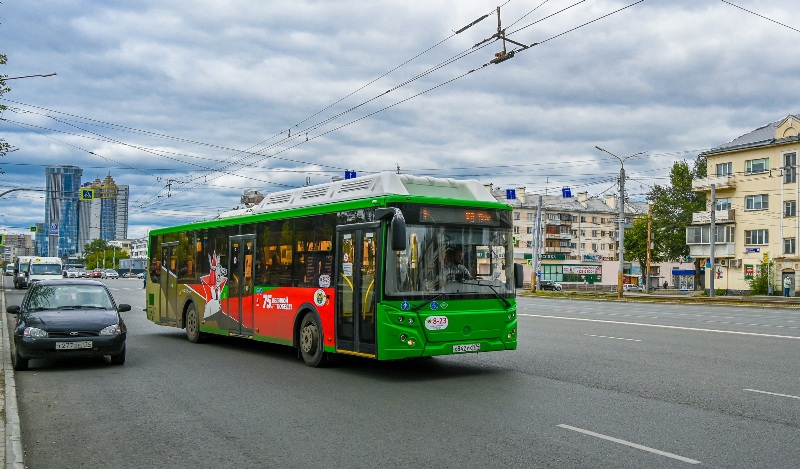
756 190
579 235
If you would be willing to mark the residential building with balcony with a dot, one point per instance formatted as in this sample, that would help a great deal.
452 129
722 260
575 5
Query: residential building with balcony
756 189
579 235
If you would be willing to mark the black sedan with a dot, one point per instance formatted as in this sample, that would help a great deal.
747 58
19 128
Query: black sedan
550 285
68 318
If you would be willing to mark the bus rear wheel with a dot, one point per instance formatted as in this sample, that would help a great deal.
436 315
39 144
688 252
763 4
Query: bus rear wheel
311 341
193 325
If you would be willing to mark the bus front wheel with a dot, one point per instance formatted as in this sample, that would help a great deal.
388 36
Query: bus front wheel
311 340
193 325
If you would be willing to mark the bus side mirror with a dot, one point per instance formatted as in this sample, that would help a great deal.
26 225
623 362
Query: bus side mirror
397 231
518 275
397 226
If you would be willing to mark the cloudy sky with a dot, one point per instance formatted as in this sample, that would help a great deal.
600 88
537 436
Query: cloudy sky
189 103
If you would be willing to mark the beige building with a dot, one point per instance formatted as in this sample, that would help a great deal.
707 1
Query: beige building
579 236
756 190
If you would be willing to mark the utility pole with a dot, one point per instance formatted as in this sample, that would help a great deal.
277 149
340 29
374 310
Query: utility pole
621 271
537 229
649 246
712 234
621 220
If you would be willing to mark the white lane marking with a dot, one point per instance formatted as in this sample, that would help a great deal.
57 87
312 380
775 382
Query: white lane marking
632 445
662 326
772 393
609 337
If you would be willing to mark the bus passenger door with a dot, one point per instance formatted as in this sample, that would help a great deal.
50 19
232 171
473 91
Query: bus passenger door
169 281
356 288
240 285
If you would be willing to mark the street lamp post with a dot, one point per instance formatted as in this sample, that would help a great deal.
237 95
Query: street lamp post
621 220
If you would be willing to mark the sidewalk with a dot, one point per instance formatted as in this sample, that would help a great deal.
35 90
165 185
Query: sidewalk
11 451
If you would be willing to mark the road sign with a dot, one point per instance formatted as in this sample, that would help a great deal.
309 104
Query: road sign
54 226
33 229
87 194
2 240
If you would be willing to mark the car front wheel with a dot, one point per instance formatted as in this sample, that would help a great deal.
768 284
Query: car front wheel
118 359
19 363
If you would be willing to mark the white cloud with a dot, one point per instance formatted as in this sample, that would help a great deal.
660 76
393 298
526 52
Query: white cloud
672 78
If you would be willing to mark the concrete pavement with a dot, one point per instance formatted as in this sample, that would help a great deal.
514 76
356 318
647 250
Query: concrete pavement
10 433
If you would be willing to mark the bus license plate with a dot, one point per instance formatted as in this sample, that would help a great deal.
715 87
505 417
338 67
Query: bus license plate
466 348
73 345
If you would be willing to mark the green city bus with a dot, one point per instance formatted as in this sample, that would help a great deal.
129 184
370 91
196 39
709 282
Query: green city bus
355 266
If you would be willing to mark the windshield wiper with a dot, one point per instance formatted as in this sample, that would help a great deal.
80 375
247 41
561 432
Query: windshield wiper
496 293
417 307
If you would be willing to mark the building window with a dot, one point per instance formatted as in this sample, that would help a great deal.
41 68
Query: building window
594 247
789 167
516 215
516 230
528 244
594 233
529 229
724 204
790 208
789 245
583 233
756 237
760 165
530 216
724 169
700 234
594 220
756 202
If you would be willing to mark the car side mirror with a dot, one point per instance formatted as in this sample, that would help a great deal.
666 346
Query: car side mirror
12 309
123 307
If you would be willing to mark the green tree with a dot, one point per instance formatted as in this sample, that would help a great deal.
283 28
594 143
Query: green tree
99 254
4 146
759 284
673 206
636 242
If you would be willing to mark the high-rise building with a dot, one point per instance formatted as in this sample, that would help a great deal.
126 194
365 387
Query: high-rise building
123 194
89 220
61 209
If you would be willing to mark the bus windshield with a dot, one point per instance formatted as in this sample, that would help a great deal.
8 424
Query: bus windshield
467 260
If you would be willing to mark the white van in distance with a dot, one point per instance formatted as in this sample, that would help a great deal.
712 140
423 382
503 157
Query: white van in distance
44 268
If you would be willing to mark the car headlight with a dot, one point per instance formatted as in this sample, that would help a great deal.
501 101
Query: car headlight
113 329
34 332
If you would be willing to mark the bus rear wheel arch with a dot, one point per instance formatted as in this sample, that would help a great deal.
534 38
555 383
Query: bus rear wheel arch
309 340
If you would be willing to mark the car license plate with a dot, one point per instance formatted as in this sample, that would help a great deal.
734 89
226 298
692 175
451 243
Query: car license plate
73 345
466 348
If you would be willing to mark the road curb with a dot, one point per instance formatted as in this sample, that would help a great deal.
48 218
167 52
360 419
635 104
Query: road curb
12 433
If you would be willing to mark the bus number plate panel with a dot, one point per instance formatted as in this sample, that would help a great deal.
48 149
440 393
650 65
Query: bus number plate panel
466 348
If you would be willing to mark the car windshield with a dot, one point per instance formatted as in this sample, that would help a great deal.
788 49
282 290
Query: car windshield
44 297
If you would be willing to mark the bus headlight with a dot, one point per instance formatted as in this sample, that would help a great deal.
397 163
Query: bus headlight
411 342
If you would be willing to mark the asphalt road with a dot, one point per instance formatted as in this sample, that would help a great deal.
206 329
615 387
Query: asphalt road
594 384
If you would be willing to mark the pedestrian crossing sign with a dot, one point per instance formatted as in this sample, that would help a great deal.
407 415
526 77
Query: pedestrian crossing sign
87 194
33 229
2 240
